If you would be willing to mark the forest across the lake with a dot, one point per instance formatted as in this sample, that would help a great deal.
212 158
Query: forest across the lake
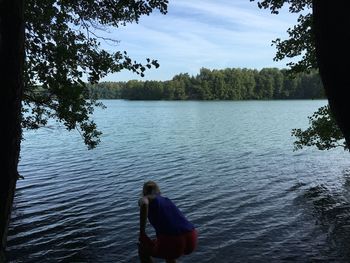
223 84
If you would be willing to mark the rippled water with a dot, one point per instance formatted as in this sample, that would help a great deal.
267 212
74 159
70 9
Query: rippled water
229 166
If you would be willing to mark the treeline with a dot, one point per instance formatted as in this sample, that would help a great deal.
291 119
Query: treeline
226 84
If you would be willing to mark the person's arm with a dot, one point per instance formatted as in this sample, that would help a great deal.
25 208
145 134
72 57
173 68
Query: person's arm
143 214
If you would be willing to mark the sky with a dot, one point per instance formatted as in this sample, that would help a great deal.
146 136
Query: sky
214 34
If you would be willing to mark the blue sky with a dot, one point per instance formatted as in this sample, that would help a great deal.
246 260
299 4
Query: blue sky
214 34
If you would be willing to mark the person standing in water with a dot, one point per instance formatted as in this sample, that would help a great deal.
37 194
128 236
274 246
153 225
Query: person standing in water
175 235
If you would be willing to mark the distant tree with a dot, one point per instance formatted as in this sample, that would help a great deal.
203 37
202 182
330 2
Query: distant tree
248 83
233 83
169 90
153 90
265 84
205 79
181 85
308 83
278 78
61 43
223 84
320 39
179 89
290 85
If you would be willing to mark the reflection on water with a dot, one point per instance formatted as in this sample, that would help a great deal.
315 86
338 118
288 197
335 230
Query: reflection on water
229 166
331 211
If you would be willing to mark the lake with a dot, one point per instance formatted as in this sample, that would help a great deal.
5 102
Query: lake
228 165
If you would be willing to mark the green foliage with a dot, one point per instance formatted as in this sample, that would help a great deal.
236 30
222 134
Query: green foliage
226 84
295 6
62 45
322 133
301 41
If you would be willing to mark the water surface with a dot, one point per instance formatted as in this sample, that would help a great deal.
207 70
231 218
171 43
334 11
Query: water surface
229 166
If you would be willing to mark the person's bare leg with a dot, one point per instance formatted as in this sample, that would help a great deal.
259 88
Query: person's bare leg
144 256
170 260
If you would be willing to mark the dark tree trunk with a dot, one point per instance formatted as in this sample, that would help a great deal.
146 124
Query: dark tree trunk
11 81
332 37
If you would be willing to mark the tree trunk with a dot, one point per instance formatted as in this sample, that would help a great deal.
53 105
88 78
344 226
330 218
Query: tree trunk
332 34
11 81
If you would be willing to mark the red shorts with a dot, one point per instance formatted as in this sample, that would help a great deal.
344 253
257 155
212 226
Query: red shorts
169 247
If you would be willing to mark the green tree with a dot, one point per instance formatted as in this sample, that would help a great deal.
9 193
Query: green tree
62 46
219 88
168 89
233 83
290 85
181 85
179 89
205 79
61 43
248 83
265 84
153 90
323 132
310 84
301 39
224 84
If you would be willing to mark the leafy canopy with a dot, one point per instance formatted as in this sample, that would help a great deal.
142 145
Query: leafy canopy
323 132
300 42
63 46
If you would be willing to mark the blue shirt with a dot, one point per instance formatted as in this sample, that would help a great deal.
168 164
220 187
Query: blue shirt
166 218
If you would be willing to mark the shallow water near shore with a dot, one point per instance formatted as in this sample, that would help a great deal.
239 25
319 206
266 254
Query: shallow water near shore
229 166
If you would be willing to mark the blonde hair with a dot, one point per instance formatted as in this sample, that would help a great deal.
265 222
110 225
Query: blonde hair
150 188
